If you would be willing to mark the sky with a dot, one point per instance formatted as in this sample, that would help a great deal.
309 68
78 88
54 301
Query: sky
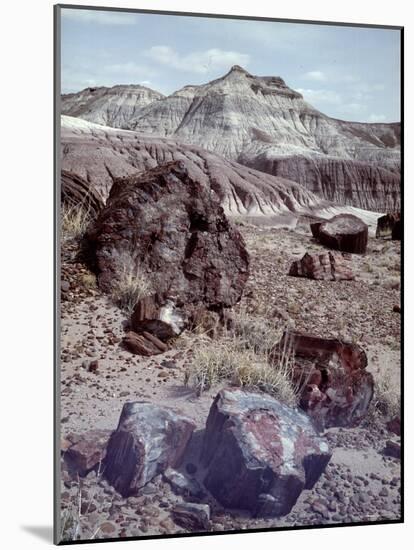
346 72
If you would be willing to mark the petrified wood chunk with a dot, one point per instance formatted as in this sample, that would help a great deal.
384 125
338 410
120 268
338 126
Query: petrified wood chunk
143 344
330 266
386 224
396 231
85 451
315 228
345 232
159 317
147 441
171 228
259 453
336 388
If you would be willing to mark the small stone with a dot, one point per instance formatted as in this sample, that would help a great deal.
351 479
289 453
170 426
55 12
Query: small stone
191 516
64 286
108 528
181 484
319 507
384 492
93 366
392 449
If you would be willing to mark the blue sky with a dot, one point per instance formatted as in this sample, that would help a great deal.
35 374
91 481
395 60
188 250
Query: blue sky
345 72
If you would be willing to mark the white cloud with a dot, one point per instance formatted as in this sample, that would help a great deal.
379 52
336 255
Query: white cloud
315 75
377 118
328 96
197 62
100 17
129 69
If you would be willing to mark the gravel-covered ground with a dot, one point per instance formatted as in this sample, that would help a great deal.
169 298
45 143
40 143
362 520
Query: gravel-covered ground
359 484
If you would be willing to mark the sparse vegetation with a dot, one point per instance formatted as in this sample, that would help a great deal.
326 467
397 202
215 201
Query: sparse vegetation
131 285
75 220
242 358
89 280
74 524
386 396
392 283
257 332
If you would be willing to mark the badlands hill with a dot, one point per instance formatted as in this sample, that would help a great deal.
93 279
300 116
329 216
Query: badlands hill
100 154
262 123
114 106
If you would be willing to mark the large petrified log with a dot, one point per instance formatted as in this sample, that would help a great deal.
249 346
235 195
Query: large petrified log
330 266
147 441
76 191
344 232
259 453
171 228
386 224
336 388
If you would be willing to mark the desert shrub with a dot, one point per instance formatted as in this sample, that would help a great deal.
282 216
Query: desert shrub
75 220
130 285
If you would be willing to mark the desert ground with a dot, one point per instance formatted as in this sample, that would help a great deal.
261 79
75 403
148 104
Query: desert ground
98 375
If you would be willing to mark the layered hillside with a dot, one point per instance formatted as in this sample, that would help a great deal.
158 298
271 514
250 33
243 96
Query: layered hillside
114 106
100 154
262 123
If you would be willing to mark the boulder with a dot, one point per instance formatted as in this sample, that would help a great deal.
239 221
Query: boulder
170 227
386 224
259 453
344 232
159 317
147 441
86 451
143 344
335 387
330 266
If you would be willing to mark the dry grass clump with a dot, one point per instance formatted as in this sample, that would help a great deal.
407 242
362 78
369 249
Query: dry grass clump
257 332
130 286
241 358
386 403
392 283
74 525
75 221
386 399
88 280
